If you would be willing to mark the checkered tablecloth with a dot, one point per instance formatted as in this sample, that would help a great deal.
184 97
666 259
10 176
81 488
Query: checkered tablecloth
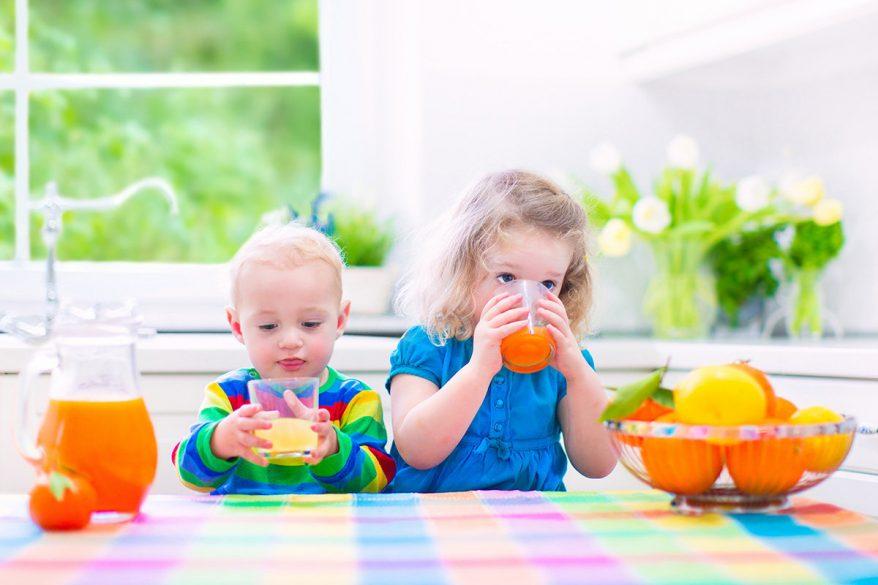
472 537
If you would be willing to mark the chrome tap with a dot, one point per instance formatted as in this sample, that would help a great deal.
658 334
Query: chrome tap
36 329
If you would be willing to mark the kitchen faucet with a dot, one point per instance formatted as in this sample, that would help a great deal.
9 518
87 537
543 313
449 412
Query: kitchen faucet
36 329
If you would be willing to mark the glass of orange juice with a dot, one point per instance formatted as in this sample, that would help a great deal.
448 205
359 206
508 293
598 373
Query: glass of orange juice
530 348
290 433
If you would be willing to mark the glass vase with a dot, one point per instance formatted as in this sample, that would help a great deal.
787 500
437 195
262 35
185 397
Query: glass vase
804 317
680 298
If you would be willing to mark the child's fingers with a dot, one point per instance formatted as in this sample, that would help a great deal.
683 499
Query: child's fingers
554 306
511 328
322 415
501 306
250 440
253 457
493 301
251 424
321 428
248 410
509 316
553 318
299 409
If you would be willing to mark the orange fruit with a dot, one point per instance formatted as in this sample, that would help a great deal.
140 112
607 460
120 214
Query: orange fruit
719 395
824 454
681 466
767 466
762 380
62 502
784 409
648 411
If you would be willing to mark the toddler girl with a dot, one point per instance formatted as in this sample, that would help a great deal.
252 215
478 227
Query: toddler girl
461 420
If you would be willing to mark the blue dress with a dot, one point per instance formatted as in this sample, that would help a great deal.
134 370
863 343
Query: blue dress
513 442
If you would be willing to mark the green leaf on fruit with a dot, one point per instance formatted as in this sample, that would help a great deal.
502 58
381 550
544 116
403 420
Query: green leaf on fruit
58 484
665 397
629 397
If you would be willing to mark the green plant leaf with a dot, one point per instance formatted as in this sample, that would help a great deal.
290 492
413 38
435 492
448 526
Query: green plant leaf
597 210
691 228
364 239
625 187
814 246
629 397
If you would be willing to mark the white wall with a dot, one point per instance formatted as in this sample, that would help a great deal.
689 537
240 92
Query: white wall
458 88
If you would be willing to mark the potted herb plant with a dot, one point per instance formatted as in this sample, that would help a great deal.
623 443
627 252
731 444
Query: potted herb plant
365 241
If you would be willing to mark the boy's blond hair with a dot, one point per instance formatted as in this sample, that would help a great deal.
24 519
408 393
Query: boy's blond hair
286 246
438 291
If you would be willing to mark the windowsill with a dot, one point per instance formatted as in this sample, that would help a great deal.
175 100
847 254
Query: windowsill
218 352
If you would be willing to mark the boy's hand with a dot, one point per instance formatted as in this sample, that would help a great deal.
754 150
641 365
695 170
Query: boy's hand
327 441
233 436
501 316
568 356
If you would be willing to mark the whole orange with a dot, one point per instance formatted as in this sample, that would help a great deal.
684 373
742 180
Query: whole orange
681 466
824 454
784 409
719 395
648 411
767 466
762 380
62 502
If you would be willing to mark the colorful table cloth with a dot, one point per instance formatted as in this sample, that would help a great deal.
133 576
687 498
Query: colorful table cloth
472 537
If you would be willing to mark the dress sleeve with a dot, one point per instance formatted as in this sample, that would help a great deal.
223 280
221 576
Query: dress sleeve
418 356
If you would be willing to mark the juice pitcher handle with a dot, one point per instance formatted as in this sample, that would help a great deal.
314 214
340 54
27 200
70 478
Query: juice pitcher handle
26 424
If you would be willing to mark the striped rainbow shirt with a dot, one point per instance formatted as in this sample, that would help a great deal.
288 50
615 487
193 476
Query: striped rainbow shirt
361 464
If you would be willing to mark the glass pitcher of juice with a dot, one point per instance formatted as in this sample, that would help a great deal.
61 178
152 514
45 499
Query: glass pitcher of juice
95 423
530 348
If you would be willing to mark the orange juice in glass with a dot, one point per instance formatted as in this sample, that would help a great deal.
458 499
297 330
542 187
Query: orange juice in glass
530 348
290 433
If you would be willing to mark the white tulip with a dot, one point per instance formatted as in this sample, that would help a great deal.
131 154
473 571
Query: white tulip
805 191
828 212
683 152
752 193
605 159
615 238
651 215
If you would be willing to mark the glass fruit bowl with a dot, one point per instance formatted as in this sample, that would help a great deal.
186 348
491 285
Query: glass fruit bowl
746 468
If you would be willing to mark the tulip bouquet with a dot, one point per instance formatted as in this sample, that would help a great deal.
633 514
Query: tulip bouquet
687 215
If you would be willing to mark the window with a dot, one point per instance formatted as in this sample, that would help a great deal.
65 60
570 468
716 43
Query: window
219 97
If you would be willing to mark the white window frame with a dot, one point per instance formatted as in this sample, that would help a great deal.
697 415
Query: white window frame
173 297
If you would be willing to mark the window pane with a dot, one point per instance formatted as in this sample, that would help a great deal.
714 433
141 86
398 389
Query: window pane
7 170
173 35
231 155
7 34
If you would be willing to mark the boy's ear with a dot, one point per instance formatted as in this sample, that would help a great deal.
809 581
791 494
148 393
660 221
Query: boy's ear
234 323
343 316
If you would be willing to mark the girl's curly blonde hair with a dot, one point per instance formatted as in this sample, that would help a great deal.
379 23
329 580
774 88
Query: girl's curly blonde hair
438 290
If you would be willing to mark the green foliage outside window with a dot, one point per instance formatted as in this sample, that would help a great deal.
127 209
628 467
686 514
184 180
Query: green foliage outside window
231 153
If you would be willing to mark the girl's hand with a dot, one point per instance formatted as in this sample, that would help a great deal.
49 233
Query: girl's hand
233 436
327 440
568 356
501 317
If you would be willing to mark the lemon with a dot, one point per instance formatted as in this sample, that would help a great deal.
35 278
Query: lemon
824 454
719 395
